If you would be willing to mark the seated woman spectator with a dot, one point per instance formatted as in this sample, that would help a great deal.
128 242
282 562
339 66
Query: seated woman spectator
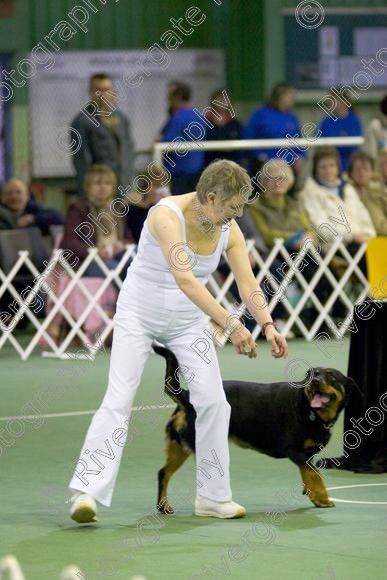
110 232
275 214
382 169
278 215
275 120
104 230
152 185
326 192
347 124
371 193
19 210
375 139
225 127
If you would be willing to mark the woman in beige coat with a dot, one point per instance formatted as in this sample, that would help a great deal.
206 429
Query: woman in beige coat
333 205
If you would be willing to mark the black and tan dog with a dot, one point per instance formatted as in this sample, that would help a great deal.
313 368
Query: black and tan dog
278 419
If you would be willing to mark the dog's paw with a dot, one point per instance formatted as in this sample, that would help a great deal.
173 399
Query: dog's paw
165 508
323 502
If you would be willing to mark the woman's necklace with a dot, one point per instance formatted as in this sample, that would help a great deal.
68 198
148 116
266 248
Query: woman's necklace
205 223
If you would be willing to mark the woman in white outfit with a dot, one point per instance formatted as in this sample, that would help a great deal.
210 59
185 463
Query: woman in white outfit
164 298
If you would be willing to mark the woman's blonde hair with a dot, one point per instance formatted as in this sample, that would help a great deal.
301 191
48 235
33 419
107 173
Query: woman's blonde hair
224 178
99 171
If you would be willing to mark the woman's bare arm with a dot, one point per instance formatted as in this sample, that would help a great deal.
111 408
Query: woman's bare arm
166 228
249 289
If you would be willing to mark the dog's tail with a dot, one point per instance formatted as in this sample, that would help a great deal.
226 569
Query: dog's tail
172 386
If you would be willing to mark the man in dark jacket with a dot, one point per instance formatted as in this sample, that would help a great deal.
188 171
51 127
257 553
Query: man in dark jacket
19 210
105 134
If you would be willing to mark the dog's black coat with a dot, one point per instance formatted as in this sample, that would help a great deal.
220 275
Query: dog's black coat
274 418
278 419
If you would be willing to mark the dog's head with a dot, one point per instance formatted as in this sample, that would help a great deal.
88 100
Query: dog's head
327 391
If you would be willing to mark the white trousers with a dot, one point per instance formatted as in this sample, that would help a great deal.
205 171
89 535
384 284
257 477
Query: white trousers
136 326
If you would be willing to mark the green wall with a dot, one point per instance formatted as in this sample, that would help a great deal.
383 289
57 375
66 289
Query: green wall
249 31
237 26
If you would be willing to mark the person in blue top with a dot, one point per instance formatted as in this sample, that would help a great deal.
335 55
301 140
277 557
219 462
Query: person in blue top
342 123
275 120
223 127
184 126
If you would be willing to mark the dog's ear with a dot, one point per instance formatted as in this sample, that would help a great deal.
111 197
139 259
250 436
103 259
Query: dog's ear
310 374
351 384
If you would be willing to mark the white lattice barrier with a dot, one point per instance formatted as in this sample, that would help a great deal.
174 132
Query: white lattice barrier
33 299
350 288
352 281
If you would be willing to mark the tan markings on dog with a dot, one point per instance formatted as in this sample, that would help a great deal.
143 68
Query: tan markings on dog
331 411
176 456
310 443
240 442
314 487
179 421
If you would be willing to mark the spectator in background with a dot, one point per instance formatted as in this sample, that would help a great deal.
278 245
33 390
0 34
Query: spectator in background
225 127
383 169
371 193
108 143
325 192
275 120
275 214
19 210
347 124
185 169
171 87
112 233
153 185
376 131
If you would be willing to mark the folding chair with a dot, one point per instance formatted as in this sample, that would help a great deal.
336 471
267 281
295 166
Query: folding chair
376 257
13 241
15 245
56 233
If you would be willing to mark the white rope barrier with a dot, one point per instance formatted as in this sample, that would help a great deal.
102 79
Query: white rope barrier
245 144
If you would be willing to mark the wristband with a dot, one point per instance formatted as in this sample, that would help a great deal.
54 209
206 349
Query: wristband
264 326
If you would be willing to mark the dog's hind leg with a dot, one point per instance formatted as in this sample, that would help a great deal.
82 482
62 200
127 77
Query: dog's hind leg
314 487
176 456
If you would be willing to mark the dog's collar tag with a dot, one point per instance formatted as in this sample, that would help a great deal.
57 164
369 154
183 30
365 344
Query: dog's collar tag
312 416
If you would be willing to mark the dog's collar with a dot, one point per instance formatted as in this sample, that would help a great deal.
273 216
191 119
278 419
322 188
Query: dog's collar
313 417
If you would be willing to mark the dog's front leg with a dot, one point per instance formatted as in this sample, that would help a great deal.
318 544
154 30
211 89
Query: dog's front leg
314 486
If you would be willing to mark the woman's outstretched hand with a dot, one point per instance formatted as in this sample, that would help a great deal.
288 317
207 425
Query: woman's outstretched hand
279 346
244 342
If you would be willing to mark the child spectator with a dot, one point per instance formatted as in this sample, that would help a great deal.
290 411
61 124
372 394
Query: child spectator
376 131
371 193
110 232
225 127
347 124
19 210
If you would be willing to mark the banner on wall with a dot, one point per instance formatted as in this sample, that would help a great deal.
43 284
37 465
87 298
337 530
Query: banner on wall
58 93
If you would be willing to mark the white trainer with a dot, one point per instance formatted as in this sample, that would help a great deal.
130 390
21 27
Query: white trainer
83 508
218 509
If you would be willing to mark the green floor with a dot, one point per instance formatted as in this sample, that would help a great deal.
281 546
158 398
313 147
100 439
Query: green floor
283 536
